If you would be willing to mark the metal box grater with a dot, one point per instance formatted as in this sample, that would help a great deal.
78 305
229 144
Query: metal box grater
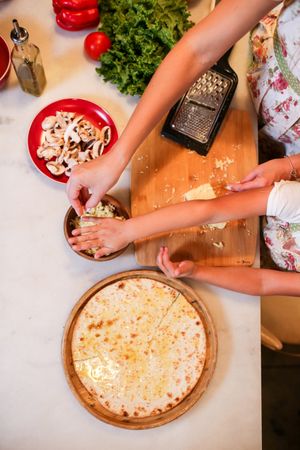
195 120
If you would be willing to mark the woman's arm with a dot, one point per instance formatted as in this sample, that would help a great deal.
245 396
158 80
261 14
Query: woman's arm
198 50
195 53
240 279
267 173
112 234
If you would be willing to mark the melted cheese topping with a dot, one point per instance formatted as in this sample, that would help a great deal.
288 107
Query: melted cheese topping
139 347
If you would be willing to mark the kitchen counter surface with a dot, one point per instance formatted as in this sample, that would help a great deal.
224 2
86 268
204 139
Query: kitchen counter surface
42 279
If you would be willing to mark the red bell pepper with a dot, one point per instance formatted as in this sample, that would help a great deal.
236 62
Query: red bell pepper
56 6
76 5
78 20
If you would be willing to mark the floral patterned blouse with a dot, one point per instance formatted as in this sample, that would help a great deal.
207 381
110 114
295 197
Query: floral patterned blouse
274 75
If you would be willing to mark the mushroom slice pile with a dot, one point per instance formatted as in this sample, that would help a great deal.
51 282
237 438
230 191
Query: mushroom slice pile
69 139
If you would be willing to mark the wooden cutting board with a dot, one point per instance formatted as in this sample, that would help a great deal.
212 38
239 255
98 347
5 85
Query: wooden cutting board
163 171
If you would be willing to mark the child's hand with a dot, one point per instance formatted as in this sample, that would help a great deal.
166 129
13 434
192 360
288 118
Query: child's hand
174 270
107 234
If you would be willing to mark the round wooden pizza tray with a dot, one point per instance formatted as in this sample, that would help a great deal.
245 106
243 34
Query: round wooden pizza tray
86 398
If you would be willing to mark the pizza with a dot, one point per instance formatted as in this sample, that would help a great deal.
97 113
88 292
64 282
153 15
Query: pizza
138 347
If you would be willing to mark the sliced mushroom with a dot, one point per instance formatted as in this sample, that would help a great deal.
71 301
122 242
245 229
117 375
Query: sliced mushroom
48 122
74 150
40 151
84 156
71 155
97 149
50 136
61 120
63 154
68 116
59 132
70 131
106 135
72 162
68 139
47 152
84 135
55 168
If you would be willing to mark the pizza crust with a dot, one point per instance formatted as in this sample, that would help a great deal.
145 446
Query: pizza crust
139 347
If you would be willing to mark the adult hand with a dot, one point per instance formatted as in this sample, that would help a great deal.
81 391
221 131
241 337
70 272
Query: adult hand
174 270
263 175
90 181
108 235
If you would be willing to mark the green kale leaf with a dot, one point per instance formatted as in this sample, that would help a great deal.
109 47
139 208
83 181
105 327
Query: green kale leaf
142 32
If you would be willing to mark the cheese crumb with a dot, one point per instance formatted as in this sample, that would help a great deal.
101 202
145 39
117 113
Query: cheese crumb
223 163
219 244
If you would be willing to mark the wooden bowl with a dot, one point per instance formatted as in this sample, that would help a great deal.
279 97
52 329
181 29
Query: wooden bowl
5 62
91 404
69 227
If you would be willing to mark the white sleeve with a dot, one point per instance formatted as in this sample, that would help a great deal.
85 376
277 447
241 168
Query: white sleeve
284 201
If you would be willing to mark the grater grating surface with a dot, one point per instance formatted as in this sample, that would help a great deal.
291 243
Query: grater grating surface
198 111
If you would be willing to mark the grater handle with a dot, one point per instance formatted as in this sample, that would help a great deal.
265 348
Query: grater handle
223 61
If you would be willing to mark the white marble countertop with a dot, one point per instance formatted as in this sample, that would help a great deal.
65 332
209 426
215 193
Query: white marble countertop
41 279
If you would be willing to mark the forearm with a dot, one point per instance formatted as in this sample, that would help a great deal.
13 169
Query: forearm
249 280
170 218
281 168
198 212
200 47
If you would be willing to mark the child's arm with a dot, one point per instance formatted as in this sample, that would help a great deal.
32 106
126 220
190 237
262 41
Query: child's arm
267 173
240 279
112 234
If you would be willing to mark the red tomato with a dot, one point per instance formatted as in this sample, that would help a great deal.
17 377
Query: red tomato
96 43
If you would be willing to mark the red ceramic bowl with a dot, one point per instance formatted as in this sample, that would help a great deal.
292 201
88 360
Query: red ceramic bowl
4 62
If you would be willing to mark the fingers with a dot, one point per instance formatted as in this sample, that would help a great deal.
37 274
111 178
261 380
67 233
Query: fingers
251 176
168 265
95 219
84 195
159 261
86 230
170 269
86 242
103 251
242 185
94 199
184 268
164 263
245 186
84 237
73 192
79 246
159 256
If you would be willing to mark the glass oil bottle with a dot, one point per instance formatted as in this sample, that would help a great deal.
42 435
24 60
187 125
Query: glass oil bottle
27 61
